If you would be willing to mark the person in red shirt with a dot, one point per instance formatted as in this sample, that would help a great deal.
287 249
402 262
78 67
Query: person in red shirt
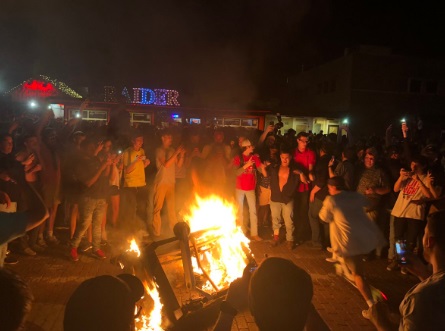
305 161
246 165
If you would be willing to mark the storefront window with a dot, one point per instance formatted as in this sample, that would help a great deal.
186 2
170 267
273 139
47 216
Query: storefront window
232 122
141 118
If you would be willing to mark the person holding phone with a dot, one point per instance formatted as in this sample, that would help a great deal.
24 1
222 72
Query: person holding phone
246 164
167 160
134 191
401 251
93 174
423 305
413 185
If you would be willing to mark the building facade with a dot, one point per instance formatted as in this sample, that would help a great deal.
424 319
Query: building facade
372 88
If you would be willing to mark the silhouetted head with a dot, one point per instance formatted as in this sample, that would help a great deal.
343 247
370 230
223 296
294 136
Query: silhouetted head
15 300
280 295
103 303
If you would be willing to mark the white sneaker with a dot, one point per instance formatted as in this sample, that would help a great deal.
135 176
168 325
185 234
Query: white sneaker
366 314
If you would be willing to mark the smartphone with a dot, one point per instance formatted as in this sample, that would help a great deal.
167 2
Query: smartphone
401 251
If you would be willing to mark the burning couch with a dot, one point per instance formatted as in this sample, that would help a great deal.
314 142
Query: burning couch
190 273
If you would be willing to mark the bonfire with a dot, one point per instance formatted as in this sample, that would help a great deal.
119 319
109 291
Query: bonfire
213 252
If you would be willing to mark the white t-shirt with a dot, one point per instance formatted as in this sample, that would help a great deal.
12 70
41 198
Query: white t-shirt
410 190
352 232
165 175
422 308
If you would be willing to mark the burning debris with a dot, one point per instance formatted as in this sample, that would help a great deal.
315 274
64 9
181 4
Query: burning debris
188 275
134 248
154 321
221 251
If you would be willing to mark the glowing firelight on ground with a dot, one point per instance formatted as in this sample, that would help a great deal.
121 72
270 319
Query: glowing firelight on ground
224 258
154 321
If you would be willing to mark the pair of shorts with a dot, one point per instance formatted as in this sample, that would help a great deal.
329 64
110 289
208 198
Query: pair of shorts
264 196
114 190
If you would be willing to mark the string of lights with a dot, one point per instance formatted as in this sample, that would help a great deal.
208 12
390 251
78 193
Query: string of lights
161 97
109 93
126 95
172 98
64 88
146 91
136 95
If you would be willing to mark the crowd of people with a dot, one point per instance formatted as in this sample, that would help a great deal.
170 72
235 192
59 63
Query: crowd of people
354 197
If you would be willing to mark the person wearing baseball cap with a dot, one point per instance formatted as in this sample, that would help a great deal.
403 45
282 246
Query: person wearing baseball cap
246 165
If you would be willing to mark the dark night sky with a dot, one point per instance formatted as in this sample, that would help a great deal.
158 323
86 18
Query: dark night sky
216 53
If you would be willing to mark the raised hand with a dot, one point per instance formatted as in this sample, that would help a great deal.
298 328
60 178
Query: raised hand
269 128
250 163
405 130
429 179
29 160
99 147
404 173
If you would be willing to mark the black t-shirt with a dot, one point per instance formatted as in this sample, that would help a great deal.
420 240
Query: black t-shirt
85 170
321 172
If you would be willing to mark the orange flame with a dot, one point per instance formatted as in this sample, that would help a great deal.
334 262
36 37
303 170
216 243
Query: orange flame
154 322
224 258
134 247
